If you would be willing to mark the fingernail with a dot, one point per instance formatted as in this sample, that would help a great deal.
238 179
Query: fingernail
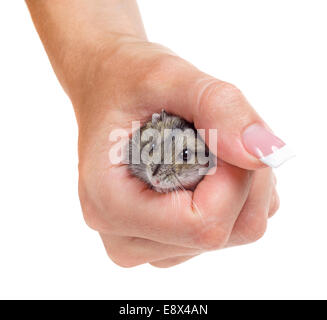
265 146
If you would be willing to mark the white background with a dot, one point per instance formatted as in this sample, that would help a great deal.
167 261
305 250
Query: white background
274 51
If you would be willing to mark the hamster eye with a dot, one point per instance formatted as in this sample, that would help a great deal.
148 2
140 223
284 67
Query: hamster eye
152 146
186 154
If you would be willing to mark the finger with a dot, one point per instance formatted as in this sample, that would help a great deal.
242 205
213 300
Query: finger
252 221
143 213
130 252
274 203
221 203
274 179
244 139
167 263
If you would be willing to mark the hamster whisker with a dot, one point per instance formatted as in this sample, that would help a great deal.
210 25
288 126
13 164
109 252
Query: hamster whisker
194 205
145 141
178 199
174 199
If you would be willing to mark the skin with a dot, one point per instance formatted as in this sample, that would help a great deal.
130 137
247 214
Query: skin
114 75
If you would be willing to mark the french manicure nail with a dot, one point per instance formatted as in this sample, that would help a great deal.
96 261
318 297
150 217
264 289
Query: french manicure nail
265 146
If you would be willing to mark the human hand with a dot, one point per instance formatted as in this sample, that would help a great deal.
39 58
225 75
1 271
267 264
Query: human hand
116 77
138 225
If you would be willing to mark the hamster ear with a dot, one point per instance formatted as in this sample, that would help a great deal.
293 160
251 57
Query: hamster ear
155 118
163 114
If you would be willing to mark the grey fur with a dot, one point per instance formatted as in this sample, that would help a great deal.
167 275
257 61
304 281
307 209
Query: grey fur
156 154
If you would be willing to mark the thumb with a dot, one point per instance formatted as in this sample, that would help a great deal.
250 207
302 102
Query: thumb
243 138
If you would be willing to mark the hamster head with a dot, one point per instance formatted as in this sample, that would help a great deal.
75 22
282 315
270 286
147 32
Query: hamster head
168 154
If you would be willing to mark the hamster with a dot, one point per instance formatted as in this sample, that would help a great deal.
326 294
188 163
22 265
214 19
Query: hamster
168 160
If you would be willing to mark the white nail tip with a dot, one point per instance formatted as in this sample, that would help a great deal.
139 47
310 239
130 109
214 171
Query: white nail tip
278 157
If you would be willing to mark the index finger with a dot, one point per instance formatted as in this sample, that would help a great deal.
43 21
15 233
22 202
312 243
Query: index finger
198 219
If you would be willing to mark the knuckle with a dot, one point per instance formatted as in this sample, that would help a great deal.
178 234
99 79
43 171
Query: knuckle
122 262
275 205
161 69
121 258
121 253
88 215
228 92
212 238
161 265
98 210
171 262
256 230
216 94
91 214
92 219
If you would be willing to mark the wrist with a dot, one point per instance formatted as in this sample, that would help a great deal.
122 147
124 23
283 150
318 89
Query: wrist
79 67
76 34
